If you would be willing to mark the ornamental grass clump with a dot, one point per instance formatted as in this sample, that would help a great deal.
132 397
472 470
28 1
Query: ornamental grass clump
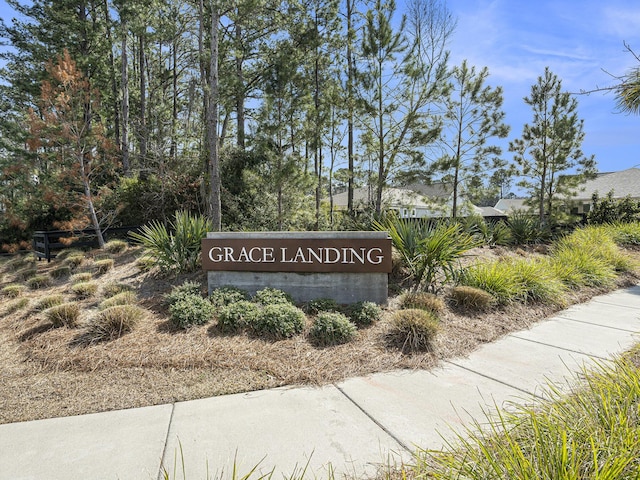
332 328
537 281
104 265
272 296
122 298
26 273
16 304
422 301
63 315
496 277
624 234
471 298
114 288
364 313
227 295
74 261
113 322
116 246
414 330
60 271
190 310
238 315
84 289
48 302
81 277
12 291
599 243
38 281
281 320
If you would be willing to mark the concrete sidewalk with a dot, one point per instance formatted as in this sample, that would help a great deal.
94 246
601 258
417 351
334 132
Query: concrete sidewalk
353 427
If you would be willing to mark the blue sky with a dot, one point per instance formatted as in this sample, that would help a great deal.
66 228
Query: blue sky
576 39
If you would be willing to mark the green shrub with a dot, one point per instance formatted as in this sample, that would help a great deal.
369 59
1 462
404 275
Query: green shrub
497 278
48 302
84 289
422 301
113 322
104 265
189 310
471 298
38 281
415 330
272 296
314 307
177 247
281 320
122 298
187 289
238 315
60 271
364 313
116 246
81 277
524 228
227 295
12 291
332 328
63 315
114 288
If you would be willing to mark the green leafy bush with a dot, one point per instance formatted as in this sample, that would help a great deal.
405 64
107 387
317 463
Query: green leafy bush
471 298
116 246
332 328
315 306
187 289
48 302
113 322
84 289
281 320
122 298
422 301
12 291
63 315
609 210
114 288
415 330
189 310
272 296
227 295
364 313
38 281
238 315
175 248
104 265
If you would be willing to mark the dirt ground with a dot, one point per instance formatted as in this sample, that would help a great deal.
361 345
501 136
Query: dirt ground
45 372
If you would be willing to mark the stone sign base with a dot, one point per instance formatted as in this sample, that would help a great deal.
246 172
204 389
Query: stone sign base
341 287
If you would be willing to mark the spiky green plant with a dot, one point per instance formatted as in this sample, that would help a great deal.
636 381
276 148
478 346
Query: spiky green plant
175 248
496 277
537 281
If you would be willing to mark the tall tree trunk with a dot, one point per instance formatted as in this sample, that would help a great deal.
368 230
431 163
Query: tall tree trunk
173 151
143 101
89 198
350 79
126 165
212 125
112 71
240 87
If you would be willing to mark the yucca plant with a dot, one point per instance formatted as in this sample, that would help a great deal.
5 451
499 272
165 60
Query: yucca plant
175 248
524 228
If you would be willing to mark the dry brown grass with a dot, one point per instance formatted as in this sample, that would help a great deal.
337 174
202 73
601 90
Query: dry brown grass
50 372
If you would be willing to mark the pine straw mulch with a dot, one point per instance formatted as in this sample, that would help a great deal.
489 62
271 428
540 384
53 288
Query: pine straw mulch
49 372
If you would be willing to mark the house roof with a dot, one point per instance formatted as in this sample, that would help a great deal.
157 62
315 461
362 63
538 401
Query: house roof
436 190
508 205
393 197
623 183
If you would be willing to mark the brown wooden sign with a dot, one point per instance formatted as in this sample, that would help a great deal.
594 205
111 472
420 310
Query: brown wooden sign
357 255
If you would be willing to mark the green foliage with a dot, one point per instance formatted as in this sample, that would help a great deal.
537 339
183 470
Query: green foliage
38 281
84 289
48 302
227 295
497 278
272 296
317 305
63 315
415 330
537 281
187 289
237 315
122 298
524 228
113 322
430 250
104 265
364 313
589 434
577 267
625 234
12 291
113 288
116 246
609 210
471 298
175 248
188 310
600 244
332 328
422 301
280 320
